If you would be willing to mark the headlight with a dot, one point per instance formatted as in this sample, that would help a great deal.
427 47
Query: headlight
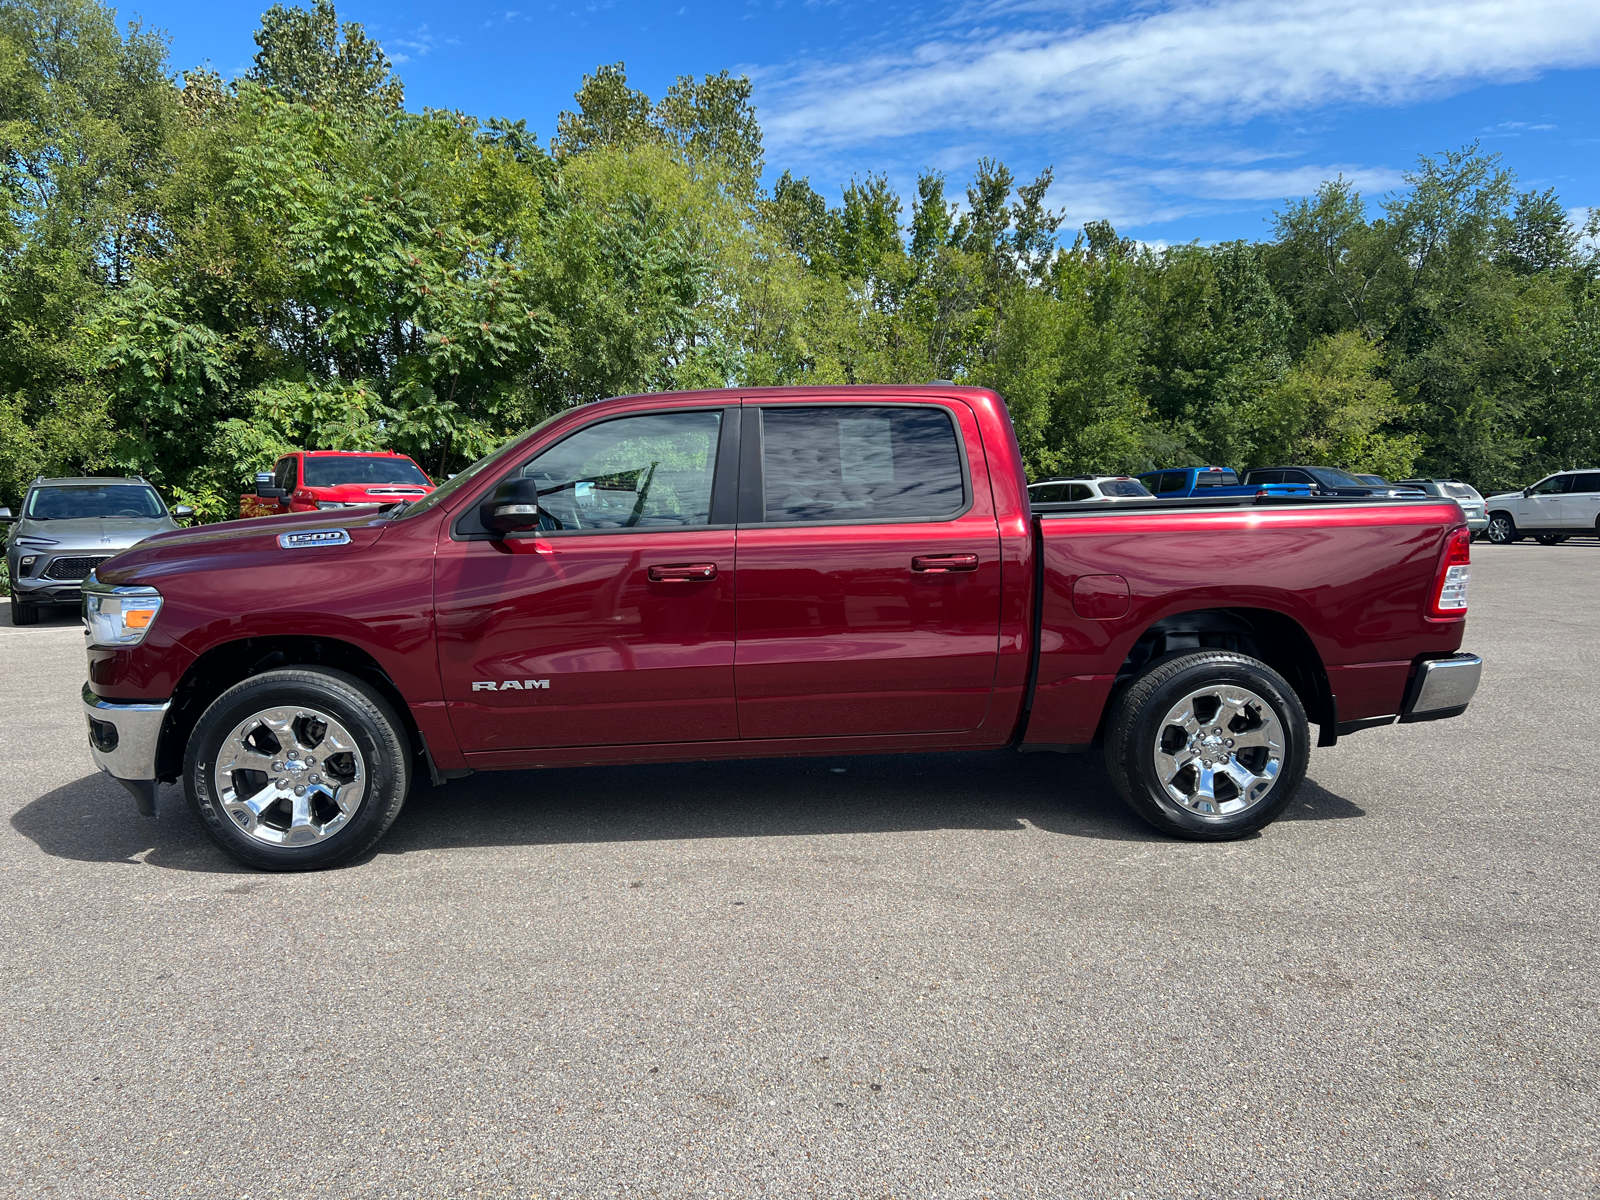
331 504
118 616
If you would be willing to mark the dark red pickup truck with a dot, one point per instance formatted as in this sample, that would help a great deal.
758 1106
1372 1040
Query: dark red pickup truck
762 573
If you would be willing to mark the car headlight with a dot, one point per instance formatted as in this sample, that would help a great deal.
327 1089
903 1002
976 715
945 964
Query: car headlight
118 616
331 504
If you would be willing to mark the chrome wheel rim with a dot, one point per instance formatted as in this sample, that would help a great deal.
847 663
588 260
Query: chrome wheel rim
1219 751
290 776
1499 530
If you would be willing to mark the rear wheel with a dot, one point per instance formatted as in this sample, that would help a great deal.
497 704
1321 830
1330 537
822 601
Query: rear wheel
1551 539
1209 745
297 769
1502 529
23 613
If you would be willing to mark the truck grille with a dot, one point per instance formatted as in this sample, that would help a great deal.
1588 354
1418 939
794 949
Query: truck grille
74 568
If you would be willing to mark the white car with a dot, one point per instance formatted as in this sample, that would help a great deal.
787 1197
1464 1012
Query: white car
1088 487
1463 494
1551 511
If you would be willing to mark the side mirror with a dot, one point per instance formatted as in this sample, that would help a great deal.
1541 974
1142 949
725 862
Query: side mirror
182 512
264 488
5 516
1527 491
513 507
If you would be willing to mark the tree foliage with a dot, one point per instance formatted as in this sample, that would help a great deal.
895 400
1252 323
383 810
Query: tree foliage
196 274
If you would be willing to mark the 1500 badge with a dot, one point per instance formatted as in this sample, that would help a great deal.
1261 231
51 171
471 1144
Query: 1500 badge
511 685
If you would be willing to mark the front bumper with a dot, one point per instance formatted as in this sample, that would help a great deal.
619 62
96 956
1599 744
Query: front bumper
123 738
1442 687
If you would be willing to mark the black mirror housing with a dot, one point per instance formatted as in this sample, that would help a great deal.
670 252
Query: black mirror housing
268 492
513 507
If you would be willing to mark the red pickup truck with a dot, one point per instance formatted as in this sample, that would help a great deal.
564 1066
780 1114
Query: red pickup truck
761 573
310 480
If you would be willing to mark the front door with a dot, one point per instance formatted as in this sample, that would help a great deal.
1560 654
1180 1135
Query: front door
1541 508
614 623
869 571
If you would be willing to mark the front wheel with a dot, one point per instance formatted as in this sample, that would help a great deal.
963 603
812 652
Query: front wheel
297 769
1208 746
23 613
1502 530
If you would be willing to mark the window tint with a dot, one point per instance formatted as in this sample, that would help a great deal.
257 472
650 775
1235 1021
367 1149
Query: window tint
1170 481
1553 486
1329 476
1456 491
1081 491
1214 479
1265 477
378 469
849 463
643 472
68 502
283 475
1046 494
1589 481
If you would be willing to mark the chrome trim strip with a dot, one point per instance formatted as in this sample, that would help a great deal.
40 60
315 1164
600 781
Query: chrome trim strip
138 725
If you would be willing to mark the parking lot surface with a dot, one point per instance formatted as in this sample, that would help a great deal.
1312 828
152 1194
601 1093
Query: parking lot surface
962 976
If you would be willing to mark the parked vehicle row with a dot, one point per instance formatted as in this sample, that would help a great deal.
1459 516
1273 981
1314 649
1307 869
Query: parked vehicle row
1214 481
803 571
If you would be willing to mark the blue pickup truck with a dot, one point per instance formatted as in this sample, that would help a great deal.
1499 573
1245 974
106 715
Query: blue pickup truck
1212 481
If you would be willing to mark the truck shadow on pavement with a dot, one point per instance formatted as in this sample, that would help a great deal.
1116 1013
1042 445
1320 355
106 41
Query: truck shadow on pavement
1069 795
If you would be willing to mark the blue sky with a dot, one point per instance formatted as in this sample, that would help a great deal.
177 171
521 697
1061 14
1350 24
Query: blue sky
1174 120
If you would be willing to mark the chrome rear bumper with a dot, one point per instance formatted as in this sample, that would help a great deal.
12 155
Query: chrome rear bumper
123 737
1442 687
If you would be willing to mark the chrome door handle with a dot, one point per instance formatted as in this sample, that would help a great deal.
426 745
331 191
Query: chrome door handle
936 564
683 573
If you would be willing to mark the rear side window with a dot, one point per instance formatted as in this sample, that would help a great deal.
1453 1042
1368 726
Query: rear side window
1168 481
1081 491
1213 479
1265 477
1047 494
860 463
1589 481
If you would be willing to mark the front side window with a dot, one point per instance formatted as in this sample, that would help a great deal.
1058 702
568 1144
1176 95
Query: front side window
646 472
283 476
1553 486
70 502
1330 477
362 469
860 463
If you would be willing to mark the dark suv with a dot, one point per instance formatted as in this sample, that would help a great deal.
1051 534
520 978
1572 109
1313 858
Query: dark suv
68 527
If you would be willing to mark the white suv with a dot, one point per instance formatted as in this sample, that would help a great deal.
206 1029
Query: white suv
1088 487
1552 510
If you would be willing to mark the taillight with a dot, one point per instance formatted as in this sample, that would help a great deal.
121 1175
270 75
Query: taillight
1455 572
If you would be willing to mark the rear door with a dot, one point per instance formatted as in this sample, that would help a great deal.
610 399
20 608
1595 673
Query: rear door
1580 503
614 623
869 571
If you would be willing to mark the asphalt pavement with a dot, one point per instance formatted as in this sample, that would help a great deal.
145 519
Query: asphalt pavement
940 976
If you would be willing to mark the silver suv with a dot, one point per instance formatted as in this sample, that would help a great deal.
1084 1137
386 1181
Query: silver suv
68 527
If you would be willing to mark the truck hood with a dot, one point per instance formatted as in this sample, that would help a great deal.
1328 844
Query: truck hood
228 544
104 534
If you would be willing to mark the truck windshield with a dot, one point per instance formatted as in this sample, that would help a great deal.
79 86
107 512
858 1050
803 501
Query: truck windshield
351 469
1123 487
68 502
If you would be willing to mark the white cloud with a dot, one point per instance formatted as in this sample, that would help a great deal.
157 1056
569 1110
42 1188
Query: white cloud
1193 63
1261 184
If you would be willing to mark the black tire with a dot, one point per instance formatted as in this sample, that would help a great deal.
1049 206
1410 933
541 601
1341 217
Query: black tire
384 762
1551 539
22 613
1502 529
1137 727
